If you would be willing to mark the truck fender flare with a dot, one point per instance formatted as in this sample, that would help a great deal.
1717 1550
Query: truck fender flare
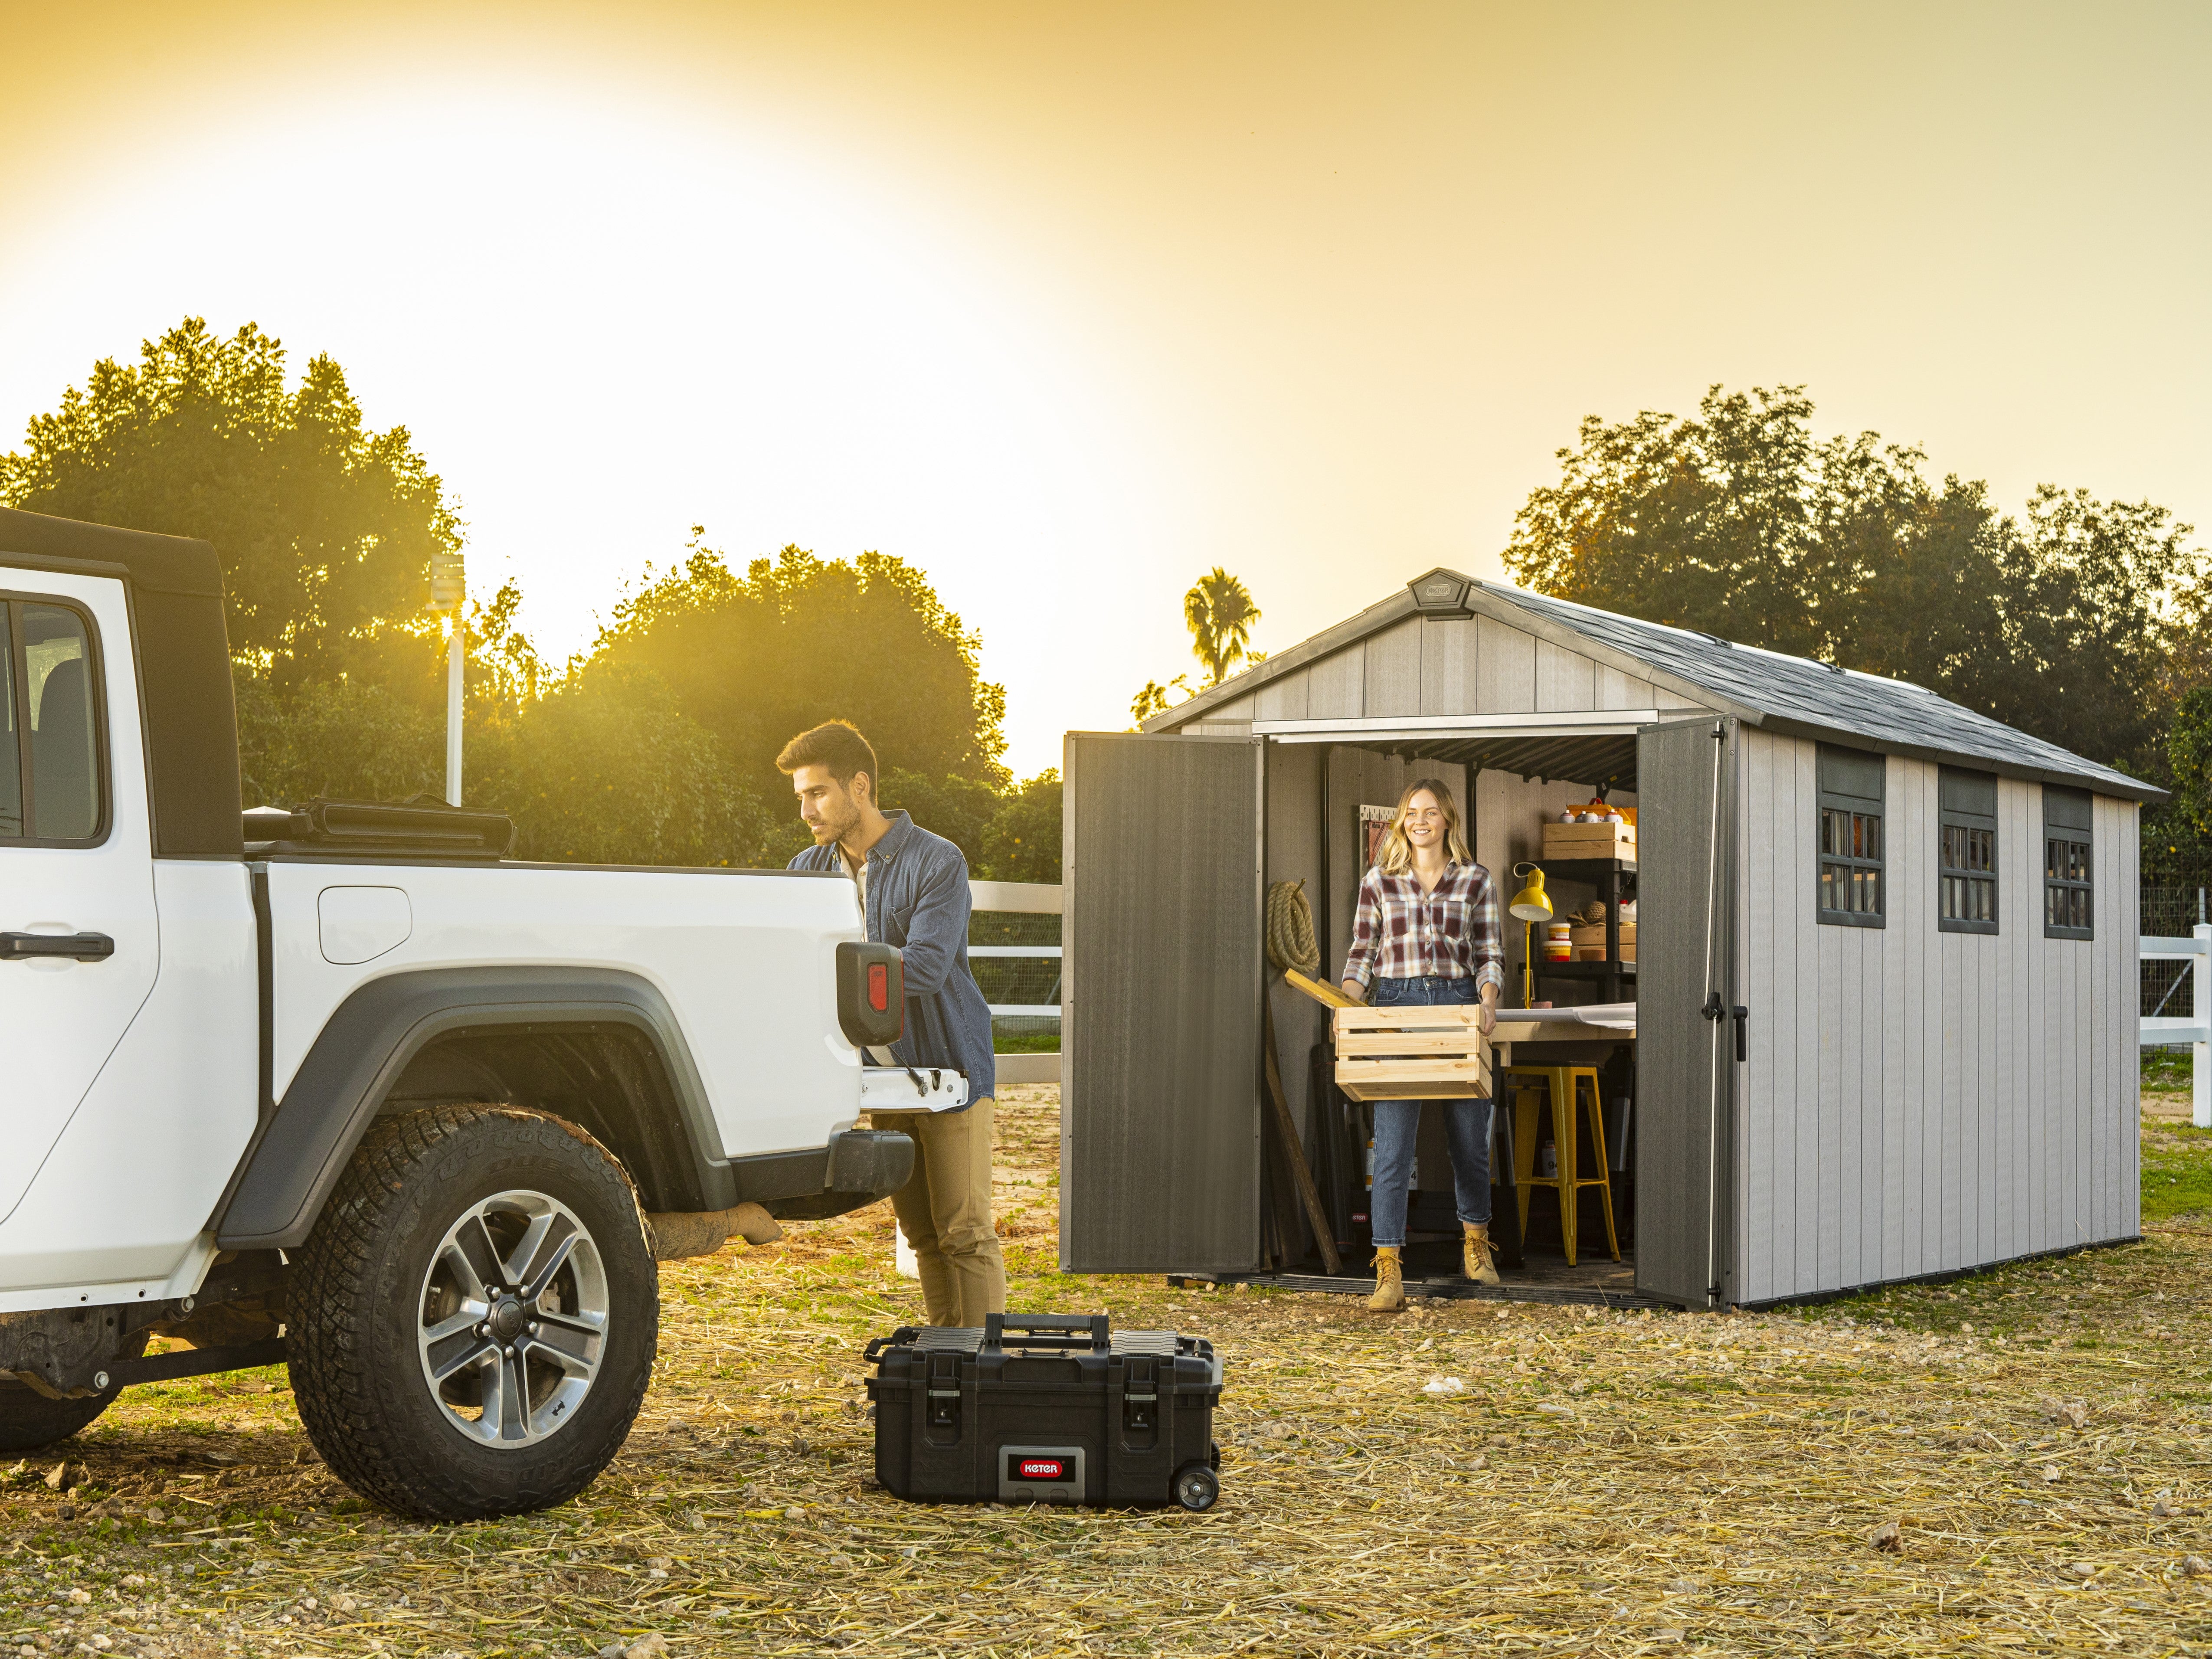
302 1148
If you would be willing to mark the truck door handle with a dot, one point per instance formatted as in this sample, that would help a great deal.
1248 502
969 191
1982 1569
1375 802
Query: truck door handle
80 947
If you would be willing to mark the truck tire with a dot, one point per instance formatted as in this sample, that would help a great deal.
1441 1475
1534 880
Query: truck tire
30 1421
472 1325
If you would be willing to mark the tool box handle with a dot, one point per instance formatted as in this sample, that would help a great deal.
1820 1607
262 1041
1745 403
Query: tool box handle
878 1344
995 1327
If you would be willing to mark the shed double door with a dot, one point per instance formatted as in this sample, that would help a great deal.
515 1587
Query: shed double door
1687 1025
1161 997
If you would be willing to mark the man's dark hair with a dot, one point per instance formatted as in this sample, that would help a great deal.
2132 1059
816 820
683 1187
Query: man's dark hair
838 745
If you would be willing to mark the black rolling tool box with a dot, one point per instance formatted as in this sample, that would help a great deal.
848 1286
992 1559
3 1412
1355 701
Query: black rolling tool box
1046 1407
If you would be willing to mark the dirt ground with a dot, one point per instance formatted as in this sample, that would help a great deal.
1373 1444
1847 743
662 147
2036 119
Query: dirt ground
2013 1464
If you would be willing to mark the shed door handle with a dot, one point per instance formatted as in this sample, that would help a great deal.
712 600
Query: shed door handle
1742 1014
81 947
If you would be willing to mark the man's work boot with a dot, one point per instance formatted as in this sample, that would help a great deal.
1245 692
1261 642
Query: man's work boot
1474 1254
1389 1283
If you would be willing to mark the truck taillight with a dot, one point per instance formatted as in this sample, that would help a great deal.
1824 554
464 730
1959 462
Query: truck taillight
880 987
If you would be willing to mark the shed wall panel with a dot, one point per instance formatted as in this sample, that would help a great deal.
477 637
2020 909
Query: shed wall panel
1393 669
1505 668
1450 648
1565 680
1294 854
1336 686
1283 698
1806 1172
1758 1226
1617 690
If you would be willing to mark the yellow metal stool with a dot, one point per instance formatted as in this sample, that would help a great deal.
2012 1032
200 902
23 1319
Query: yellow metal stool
1561 1089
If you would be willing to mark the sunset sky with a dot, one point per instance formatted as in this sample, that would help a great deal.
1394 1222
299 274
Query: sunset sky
1067 304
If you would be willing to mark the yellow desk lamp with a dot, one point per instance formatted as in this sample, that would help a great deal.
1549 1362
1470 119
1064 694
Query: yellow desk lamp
1529 906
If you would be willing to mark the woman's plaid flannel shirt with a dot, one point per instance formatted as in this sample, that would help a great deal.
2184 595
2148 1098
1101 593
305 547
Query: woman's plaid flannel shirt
1451 933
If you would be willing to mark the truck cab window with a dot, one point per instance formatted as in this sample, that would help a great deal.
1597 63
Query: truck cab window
11 748
54 715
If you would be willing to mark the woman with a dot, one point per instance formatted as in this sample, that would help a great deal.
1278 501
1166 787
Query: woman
1427 932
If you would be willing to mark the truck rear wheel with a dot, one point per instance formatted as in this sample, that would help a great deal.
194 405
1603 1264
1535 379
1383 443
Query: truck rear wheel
472 1325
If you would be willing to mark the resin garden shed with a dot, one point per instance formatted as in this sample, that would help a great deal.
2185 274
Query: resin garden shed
1886 979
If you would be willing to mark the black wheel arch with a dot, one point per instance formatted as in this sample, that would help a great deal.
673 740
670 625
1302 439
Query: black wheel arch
600 1048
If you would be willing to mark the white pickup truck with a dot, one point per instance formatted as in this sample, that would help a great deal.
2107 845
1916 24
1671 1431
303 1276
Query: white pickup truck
348 1088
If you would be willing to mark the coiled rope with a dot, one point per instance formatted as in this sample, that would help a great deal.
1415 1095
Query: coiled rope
1290 924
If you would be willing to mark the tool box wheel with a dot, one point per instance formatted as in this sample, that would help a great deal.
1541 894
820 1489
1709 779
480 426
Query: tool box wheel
1196 1486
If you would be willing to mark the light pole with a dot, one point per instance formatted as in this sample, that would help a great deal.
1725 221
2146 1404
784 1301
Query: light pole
448 588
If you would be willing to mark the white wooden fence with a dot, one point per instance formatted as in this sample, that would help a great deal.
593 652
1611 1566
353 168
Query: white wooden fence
2195 1028
1021 898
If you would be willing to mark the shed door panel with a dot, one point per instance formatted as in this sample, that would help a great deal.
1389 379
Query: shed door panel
1682 1057
1160 1020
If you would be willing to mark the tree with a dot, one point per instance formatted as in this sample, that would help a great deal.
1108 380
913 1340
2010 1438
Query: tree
1153 699
1738 523
1023 840
798 640
604 770
1220 612
325 528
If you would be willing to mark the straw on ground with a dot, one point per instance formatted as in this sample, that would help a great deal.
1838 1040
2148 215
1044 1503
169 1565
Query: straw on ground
2009 1465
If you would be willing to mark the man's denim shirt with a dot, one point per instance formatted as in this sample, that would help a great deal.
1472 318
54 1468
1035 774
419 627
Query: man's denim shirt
918 901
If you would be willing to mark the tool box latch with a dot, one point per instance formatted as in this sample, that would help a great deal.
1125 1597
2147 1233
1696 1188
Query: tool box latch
1140 1397
941 1388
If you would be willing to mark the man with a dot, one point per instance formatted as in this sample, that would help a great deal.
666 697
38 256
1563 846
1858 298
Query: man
913 894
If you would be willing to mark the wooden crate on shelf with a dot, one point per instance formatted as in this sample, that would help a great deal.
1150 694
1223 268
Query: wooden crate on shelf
1590 840
1433 1053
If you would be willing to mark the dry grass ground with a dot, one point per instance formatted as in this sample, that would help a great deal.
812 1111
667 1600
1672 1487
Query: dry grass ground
1605 1483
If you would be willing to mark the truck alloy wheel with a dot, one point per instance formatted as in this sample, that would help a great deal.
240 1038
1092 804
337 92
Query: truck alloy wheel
471 1326
513 1318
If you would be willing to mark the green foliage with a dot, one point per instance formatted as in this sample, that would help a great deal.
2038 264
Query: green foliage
1220 612
2177 1173
325 528
1023 840
798 640
1153 699
959 809
2189 760
335 737
658 750
602 769
2064 623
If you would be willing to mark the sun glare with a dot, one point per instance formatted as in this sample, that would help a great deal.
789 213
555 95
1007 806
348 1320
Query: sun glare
604 322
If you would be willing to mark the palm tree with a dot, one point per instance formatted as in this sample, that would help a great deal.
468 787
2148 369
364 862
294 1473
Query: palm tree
1219 613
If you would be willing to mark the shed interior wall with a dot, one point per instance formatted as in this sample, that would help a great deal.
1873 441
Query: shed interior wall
1917 1102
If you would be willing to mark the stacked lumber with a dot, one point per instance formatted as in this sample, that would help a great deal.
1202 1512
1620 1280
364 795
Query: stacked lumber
1434 1053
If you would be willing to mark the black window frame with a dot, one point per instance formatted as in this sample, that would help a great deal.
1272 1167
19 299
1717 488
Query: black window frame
1965 824
96 687
1853 782
2070 818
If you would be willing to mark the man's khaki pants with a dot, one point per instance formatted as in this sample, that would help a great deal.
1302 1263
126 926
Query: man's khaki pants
944 1210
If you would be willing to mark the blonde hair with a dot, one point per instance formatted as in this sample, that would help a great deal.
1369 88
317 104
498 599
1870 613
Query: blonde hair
1397 854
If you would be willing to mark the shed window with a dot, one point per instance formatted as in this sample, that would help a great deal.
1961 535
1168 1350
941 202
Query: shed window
2069 888
1966 853
1851 838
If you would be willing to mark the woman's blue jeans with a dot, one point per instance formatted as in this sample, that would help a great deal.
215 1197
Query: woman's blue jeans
1398 1125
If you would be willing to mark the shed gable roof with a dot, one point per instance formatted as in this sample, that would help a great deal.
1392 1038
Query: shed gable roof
1764 688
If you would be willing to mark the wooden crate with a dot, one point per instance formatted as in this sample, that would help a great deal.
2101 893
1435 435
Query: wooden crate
1590 840
1435 1052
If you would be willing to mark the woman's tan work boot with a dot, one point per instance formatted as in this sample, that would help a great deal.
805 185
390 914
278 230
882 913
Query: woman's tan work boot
1389 1283
1475 1253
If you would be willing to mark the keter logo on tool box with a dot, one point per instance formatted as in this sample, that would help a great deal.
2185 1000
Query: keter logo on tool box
1041 1468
